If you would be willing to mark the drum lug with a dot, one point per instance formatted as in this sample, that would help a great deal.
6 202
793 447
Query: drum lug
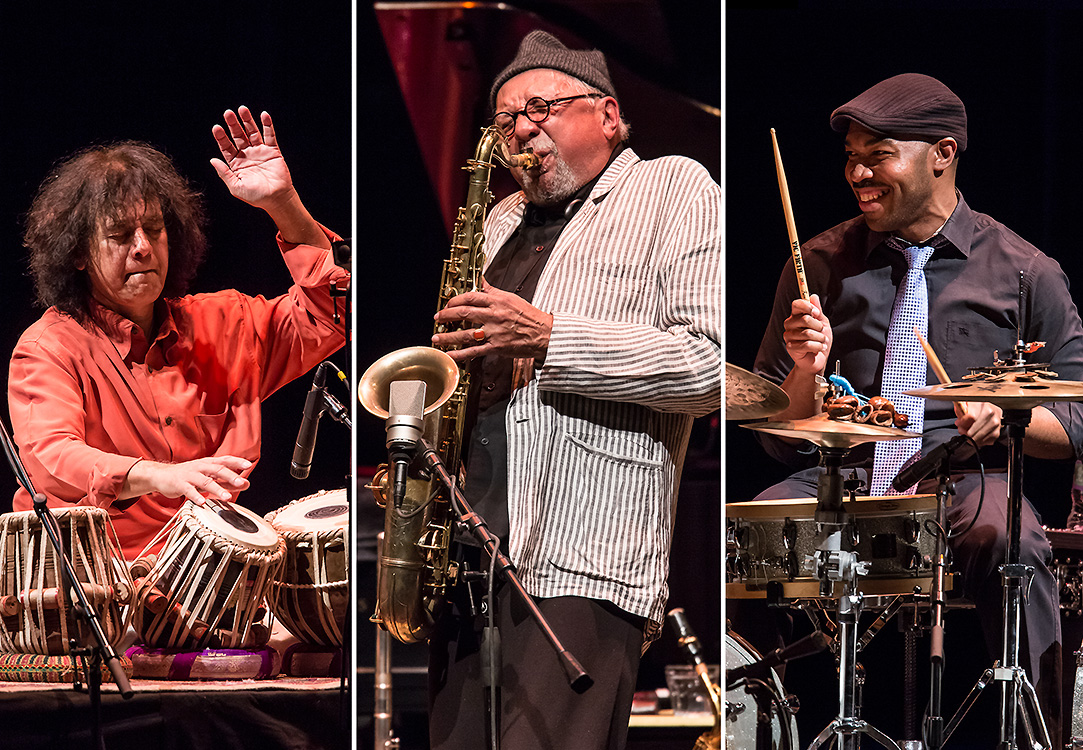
789 534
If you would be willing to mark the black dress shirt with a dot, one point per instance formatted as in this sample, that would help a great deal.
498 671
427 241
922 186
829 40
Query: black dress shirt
974 305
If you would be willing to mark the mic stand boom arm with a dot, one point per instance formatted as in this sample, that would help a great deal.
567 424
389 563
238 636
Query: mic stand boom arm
577 677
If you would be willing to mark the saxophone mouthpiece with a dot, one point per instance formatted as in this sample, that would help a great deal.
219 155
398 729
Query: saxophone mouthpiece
524 160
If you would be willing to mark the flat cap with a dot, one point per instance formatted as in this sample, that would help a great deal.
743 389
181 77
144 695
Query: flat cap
540 49
910 104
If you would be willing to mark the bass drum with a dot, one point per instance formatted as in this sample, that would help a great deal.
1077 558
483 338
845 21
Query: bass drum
740 723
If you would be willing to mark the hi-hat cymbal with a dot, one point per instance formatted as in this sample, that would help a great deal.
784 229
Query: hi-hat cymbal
748 396
830 433
1010 392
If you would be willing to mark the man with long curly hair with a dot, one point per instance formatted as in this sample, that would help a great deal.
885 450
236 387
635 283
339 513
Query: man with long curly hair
127 394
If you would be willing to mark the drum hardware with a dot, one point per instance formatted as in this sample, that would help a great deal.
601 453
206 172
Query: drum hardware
835 563
768 719
1017 388
749 396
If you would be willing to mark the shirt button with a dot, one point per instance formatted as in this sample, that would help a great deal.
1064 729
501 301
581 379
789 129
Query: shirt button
539 248
490 386
484 441
168 421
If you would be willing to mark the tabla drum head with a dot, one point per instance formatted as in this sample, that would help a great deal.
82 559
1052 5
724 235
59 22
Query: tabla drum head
234 523
324 511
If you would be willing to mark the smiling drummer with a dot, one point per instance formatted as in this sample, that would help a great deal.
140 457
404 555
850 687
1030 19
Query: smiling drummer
903 139
126 394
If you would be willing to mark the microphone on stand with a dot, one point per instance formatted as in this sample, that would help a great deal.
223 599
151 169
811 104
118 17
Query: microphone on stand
810 644
927 464
315 406
405 419
686 639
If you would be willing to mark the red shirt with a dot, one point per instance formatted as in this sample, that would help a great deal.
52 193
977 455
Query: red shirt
87 403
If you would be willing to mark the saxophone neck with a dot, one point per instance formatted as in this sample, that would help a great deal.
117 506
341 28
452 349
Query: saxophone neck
525 159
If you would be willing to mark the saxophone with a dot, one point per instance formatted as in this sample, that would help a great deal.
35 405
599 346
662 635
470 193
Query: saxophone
416 571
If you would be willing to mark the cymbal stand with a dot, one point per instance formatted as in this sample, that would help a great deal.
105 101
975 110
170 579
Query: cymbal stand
834 564
1017 693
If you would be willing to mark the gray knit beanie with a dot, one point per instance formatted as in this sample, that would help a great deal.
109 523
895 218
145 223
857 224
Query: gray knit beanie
539 49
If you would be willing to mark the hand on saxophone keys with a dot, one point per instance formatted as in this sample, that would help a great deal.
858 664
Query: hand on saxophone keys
492 321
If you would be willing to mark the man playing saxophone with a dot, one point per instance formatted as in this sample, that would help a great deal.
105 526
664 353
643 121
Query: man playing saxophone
594 340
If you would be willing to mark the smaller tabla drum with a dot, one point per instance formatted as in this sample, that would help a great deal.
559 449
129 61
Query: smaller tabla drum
770 541
36 614
311 593
206 588
739 726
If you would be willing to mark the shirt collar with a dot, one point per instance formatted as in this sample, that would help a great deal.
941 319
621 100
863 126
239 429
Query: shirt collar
127 337
957 232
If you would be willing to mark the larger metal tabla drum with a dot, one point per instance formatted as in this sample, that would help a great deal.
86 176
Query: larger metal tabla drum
208 585
311 593
769 541
36 614
740 723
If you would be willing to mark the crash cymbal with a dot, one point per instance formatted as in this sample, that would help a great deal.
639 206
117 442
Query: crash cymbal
1012 391
748 396
830 433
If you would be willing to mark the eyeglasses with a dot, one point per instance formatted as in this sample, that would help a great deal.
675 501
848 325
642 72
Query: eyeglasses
536 110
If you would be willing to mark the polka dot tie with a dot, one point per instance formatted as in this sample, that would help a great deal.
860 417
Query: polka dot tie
904 369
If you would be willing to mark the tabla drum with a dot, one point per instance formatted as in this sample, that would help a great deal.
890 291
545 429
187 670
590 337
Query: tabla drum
36 615
739 727
311 593
771 541
207 586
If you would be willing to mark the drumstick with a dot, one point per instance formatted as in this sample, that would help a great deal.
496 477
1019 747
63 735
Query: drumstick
934 362
791 227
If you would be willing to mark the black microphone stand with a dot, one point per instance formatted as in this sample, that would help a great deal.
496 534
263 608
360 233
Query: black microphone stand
577 677
98 654
934 721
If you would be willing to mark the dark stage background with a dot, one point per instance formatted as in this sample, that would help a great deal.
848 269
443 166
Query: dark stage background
1017 71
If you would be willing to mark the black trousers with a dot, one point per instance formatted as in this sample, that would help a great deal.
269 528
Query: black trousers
538 710
976 557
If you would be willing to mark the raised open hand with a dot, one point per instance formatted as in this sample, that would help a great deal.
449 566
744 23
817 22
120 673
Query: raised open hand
251 165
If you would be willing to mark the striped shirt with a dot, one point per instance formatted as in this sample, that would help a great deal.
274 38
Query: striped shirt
597 434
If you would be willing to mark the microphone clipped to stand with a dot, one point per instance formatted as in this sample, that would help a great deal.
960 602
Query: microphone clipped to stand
318 402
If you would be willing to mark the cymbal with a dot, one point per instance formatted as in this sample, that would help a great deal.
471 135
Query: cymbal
748 396
1011 392
830 433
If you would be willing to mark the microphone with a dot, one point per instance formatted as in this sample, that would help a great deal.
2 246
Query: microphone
315 406
807 646
686 639
927 464
405 419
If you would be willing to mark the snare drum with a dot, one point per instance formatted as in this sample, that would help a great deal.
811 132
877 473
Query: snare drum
36 615
741 709
312 590
769 541
207 586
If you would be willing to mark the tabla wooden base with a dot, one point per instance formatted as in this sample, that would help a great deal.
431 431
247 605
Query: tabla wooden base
209 664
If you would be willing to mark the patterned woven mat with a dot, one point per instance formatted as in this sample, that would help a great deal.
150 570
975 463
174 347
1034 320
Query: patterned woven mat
58 669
